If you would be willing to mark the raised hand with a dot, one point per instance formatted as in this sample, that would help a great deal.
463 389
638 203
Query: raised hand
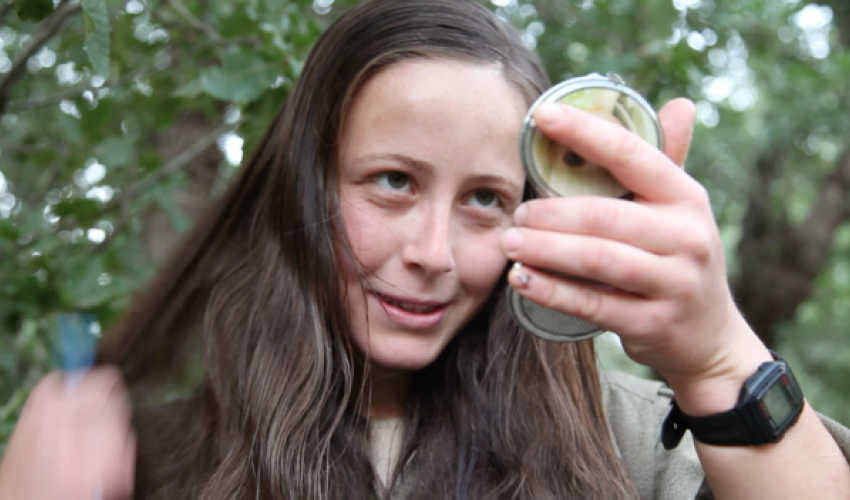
660 255
72 441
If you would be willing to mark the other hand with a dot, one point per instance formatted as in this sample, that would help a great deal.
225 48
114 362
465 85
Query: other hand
72 441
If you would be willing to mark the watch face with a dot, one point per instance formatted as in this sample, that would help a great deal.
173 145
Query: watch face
779 403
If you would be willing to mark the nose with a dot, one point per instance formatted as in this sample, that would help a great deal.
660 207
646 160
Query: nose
429 244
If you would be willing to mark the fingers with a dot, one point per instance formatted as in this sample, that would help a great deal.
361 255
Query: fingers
613 310
613 263
627 222
80 437
97 407
115 456
677 121
638 165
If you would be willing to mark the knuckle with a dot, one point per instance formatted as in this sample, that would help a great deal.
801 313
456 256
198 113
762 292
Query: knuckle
701 196
698 244
601 217
659 318
685 285
696 292
600 257
551 299
540 212
630 145
589 304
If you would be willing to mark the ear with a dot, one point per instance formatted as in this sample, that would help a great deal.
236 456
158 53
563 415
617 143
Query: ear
677 121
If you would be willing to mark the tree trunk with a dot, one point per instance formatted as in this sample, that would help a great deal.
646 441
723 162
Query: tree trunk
779 263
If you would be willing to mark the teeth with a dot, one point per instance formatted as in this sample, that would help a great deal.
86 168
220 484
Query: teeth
410 307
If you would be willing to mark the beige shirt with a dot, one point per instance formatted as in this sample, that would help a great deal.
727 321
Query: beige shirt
635 409
385 437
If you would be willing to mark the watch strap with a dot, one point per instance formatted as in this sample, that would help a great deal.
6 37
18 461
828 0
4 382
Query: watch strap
734 427
727 428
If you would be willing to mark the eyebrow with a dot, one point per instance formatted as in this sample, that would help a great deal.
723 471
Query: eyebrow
417 164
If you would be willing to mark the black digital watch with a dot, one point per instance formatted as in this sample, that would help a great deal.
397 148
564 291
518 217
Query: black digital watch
770 402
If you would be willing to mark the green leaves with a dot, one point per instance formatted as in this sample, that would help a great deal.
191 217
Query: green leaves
79 208
130 85
34 10
241 78
166 78
97 43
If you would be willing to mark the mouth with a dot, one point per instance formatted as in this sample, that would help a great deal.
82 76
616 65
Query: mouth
411 306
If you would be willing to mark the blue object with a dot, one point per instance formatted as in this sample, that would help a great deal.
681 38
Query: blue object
75 337
75 340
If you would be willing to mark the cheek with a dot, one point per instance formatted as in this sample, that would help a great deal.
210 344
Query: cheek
370 240
481 261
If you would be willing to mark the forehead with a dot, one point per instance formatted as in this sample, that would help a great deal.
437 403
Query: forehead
448 113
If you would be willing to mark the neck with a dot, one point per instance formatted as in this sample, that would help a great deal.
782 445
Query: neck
386 392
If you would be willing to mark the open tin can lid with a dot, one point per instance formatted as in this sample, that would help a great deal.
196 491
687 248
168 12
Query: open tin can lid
555 171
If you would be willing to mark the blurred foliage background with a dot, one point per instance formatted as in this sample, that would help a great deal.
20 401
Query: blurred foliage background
121 119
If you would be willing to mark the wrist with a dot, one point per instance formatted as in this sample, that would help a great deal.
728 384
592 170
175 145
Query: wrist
717 389
769 403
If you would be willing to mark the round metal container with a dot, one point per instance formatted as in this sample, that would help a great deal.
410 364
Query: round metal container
556 171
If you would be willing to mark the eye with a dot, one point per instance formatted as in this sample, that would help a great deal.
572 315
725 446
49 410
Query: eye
485 199
396 181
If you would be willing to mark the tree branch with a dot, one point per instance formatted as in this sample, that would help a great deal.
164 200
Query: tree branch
175 165
814 236
195 22
5 10
178 163
841 20
758 255
123 213
48 28
135 190
49 100
779 263
73 93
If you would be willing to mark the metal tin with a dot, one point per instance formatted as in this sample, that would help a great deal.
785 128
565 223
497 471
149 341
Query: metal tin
548 165
555 171
549 324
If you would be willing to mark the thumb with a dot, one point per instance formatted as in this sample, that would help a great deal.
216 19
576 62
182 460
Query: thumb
677 121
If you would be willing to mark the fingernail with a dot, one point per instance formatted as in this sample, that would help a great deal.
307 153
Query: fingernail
511 241
518 278
520 215
548 113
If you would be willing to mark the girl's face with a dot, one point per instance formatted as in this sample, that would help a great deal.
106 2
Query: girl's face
431 175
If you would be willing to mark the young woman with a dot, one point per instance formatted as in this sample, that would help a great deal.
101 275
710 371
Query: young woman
345 301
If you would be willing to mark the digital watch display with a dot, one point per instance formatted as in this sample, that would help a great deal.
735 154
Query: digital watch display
770 402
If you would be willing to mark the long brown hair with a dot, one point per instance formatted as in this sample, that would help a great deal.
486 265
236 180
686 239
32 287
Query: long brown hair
254 296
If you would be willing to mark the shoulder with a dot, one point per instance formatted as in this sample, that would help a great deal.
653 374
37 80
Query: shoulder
633 390
635 409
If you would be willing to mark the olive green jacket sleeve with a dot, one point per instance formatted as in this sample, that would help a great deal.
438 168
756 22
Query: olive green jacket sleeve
635 409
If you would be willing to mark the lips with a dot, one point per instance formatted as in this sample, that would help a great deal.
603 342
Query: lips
412 313
411 306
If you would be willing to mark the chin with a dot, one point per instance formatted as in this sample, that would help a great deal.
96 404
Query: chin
405 353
